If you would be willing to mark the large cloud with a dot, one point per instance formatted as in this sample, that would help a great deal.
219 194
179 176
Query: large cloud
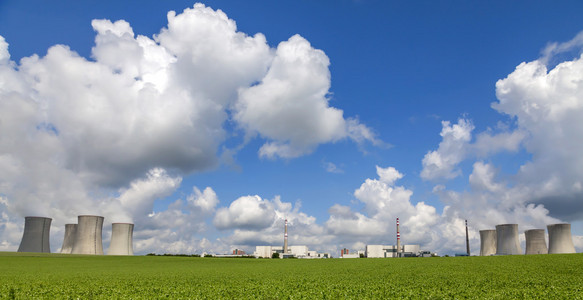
114 133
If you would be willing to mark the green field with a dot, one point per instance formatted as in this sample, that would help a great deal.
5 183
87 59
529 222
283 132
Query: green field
55 276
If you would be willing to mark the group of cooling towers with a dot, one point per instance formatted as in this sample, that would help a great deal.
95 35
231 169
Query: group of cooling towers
81 238
504 240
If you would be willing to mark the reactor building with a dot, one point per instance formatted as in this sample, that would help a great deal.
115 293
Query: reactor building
36 235
560 239
535 241
88 237
121 239
487 242
69 239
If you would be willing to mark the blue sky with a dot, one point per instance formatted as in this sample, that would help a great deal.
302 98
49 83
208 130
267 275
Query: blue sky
398 69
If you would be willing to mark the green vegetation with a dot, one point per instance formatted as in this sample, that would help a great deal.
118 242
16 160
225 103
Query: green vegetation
56 276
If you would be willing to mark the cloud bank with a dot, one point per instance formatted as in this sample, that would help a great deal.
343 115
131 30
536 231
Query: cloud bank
113 133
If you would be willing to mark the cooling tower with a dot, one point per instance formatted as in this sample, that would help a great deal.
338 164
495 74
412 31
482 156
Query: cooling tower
487 242
88 237
535 241
507 240
121 239
560 240
36 235
69 240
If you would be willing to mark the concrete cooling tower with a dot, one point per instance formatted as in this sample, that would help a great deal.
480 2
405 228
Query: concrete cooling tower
535 241
69 240
507 240
36 235
121 239
487 242
88 237
560 240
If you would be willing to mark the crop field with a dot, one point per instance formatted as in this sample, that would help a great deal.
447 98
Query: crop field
56 276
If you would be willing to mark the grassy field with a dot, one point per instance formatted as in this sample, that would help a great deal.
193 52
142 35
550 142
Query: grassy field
55 276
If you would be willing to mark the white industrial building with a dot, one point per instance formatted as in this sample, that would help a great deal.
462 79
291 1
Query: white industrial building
383 251
292 251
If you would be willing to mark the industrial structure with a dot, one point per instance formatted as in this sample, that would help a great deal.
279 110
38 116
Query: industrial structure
69 239
487 242
292 251
285 239
467 240
535 241
560 239
384 251
121 239
36 235
507 240
398 239
88 237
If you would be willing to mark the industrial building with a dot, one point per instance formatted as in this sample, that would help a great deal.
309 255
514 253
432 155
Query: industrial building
36 235
69 239
292 251
88 237
535 241
560 239
121 239
487 242
384 251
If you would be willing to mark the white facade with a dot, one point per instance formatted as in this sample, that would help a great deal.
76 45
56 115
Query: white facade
292 251
298 251
383 251
351 255
263 251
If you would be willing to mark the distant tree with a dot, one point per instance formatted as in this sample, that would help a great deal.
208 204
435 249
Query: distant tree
361 255
275 255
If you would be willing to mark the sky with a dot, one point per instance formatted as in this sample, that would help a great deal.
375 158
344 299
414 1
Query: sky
208 124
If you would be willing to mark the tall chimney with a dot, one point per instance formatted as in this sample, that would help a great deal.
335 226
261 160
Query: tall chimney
467 239
285 238
398 239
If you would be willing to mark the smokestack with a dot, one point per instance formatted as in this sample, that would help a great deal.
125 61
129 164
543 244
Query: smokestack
285 238
121 239
398 239
560 239
88 237
535 241
507 240
467 240
69 240
36 235
487 242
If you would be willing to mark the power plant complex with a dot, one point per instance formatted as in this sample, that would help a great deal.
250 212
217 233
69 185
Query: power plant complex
504 240
85 237
81 238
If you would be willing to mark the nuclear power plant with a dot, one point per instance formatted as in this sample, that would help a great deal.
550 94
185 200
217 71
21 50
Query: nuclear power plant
121 239
560 239
69 240
88 237
36 235
535 241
